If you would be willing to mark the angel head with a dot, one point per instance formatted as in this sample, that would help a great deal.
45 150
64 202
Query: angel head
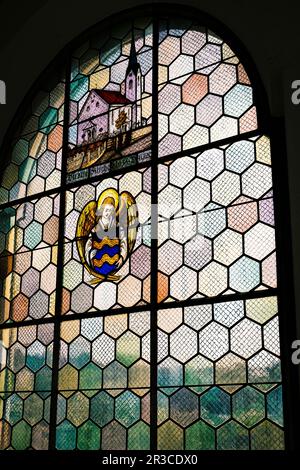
107 210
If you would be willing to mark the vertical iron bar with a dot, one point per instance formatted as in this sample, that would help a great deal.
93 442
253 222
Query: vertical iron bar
154 233
60 258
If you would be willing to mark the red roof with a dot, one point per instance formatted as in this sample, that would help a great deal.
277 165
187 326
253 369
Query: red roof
112 97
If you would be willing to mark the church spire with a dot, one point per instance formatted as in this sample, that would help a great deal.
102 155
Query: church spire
133 65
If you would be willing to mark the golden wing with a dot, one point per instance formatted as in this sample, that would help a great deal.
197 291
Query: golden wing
86 222
129 217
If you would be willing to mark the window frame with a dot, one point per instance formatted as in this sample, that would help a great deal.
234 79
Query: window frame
268 125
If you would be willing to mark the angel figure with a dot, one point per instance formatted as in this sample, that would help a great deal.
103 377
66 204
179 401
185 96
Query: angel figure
106 234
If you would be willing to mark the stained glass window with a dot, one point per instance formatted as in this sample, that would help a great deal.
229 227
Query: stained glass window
138 279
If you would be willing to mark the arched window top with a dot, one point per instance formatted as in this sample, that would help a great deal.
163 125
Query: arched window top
202 87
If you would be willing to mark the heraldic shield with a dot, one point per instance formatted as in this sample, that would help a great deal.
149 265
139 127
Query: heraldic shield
106 234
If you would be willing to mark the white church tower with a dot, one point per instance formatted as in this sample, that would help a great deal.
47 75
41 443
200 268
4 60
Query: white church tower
133 85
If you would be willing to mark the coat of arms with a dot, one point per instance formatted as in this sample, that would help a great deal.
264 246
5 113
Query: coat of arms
106 234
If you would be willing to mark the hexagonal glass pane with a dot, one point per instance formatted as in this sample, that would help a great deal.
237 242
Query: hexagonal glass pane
105 353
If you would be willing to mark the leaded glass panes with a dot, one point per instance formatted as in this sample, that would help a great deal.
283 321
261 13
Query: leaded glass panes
28 259
148 272
35 154
204 91
104 419
29 226
28 285
219 375
223 418
224 343
25 419
216 223
105 352
27 362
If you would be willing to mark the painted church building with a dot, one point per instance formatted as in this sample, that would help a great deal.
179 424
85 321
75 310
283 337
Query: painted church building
105 113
